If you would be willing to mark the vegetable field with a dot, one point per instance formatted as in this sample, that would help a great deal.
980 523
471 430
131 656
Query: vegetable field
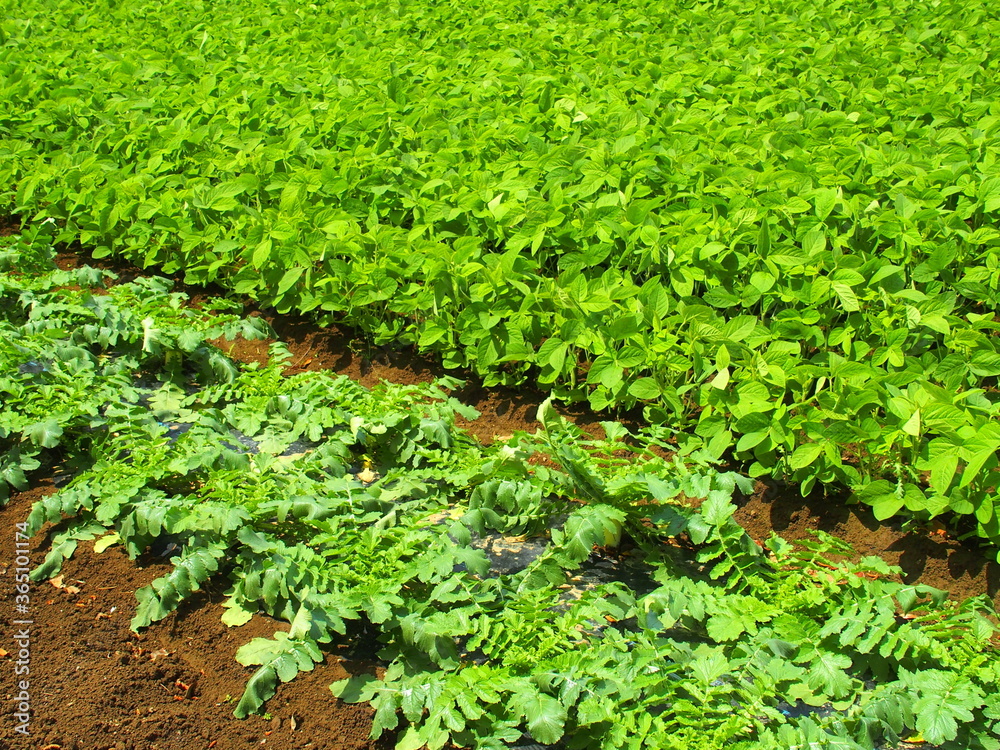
771 224
771 227
343 510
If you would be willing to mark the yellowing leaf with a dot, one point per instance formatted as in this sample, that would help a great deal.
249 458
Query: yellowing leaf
912 426
106 541
721 379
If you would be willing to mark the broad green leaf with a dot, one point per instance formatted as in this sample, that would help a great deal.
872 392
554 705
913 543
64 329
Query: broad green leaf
236 615
848 299
544 715
645 389
45 434
289 278
805 455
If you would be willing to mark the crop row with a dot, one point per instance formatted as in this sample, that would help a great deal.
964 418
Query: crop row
772 224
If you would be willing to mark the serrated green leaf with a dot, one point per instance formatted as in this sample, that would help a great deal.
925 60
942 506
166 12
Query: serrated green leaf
45 434
545 716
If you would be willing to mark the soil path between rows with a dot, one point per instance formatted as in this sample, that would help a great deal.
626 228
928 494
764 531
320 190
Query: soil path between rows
96 685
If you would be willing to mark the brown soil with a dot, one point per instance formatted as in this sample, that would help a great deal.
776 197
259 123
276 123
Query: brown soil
96 685
8 226
928 556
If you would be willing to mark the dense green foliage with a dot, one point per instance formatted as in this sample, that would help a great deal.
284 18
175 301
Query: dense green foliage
346 511
772 223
